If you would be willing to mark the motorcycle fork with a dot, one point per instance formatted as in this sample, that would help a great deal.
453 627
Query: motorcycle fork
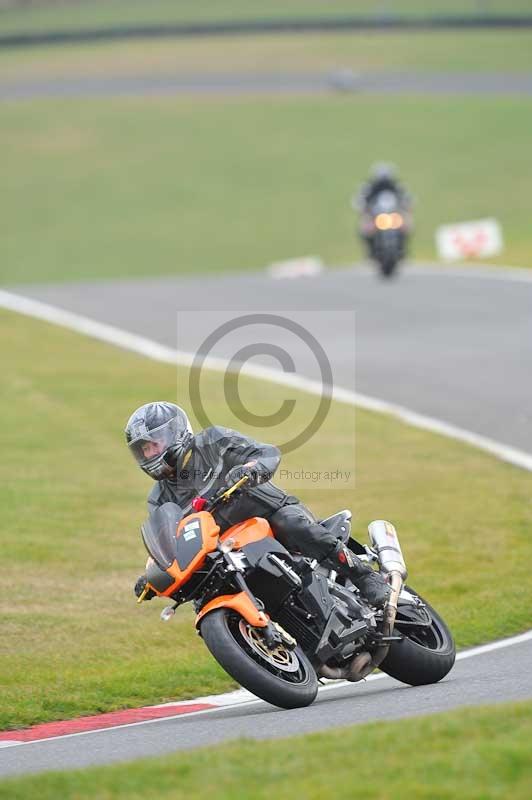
242 585
272 636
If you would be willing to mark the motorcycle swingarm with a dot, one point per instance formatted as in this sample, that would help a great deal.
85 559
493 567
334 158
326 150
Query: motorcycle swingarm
417 616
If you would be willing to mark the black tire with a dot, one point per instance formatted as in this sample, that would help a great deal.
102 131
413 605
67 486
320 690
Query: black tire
425 655
387 267
221 633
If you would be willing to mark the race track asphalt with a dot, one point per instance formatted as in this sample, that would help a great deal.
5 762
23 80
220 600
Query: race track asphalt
451 344
381 82
454 345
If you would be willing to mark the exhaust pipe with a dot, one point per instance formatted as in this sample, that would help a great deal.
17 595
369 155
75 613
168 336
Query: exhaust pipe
385 542
358 668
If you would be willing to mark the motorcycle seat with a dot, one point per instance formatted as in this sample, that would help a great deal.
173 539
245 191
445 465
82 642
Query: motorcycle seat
339 524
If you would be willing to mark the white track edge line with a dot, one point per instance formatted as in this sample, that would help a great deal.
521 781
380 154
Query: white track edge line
481 649
167 355
470 653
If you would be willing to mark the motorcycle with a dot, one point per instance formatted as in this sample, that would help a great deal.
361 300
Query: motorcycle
386 227
279 622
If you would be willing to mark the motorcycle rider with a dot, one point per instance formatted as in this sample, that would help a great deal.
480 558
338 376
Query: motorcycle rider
383 177
184 466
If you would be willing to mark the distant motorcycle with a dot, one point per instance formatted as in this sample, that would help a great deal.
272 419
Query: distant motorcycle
385 227
275 621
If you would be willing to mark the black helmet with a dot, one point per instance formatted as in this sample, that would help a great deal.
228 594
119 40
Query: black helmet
165 425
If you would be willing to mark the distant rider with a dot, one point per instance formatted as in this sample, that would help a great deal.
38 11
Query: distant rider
383 177
160 437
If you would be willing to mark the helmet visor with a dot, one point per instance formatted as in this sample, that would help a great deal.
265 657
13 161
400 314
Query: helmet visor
148 446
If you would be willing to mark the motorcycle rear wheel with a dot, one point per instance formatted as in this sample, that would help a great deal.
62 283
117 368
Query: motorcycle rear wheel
425 655
285 678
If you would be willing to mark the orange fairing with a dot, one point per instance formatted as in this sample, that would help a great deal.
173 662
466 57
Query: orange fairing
252 530
209 528
240 603
209 535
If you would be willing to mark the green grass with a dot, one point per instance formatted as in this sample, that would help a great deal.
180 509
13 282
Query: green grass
102 13
135 187
459 51
73 641
478 754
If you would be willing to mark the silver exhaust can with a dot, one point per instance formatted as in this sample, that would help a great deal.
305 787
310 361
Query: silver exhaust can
384 540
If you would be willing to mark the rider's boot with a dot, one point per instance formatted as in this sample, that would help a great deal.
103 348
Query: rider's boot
370 583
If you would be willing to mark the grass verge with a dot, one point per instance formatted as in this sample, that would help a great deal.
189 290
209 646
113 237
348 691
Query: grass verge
480 753
101 13
123 188
459 51
73 642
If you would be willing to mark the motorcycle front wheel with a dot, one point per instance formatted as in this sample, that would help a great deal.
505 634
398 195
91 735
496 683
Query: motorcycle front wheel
426 653
282 677
387 267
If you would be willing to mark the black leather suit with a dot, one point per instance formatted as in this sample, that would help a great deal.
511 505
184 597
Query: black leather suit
371 190
214 451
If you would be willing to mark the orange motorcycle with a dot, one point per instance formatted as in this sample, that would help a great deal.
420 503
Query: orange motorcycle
277 622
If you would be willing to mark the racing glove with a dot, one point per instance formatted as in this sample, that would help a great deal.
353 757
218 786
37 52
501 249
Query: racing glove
250 470
141 585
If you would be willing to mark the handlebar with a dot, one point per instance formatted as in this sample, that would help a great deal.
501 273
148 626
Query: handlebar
225 494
